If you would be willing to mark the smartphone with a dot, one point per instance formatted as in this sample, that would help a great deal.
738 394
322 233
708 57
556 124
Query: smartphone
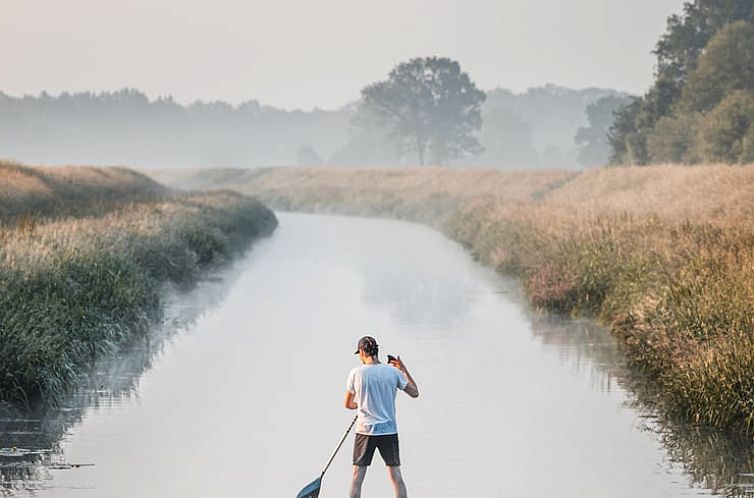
391 358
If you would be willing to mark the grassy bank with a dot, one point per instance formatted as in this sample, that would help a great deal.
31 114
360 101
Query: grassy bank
82 262
66 191
663 255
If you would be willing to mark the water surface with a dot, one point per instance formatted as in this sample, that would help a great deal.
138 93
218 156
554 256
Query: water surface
248 400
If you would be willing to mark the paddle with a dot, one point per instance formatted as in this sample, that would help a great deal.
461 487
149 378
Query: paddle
311 490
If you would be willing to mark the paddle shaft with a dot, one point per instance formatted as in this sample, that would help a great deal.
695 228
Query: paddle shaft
342 440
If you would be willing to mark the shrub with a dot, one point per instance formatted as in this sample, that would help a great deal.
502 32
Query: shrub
722 135
672 139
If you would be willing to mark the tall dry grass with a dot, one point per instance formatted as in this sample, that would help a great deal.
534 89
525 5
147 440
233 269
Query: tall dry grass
664 255
63 191
76 288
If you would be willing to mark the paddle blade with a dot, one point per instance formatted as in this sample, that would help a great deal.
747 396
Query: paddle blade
311 490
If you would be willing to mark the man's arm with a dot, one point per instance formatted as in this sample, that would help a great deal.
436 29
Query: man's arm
350 391
350 403
411 388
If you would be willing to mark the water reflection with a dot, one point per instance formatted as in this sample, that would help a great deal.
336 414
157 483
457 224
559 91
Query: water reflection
30 441
417 287
719 461
583 345
714 460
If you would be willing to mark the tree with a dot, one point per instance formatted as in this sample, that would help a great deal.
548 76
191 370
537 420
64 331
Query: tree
747 145
594 148
726 65
507 140
673 138
712 119
634 123
686 36
725 133
678 52
428 106
368 143
628 144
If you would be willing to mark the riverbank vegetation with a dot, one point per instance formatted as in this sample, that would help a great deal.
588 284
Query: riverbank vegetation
663 255
84 253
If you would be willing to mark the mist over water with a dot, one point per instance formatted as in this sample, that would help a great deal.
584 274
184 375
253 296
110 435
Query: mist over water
248 400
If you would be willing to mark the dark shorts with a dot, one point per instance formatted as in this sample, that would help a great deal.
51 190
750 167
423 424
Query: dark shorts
364 446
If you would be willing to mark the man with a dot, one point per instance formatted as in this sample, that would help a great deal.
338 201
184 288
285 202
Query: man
371 390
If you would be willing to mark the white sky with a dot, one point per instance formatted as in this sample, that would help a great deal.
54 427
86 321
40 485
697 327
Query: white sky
306 53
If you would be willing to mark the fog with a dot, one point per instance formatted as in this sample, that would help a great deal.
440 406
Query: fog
533 129
163 84
295 54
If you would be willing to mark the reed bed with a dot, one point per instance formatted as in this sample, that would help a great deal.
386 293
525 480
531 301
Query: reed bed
663 255
75 289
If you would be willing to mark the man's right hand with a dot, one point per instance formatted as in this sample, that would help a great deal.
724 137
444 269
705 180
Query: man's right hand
411 388
395 362
398 363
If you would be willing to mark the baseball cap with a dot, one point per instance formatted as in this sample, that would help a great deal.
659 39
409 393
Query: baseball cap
368 344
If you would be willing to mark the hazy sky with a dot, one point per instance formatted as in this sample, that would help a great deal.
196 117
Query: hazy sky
306 53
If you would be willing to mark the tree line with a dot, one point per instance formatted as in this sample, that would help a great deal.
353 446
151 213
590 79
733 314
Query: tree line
700 107
427 110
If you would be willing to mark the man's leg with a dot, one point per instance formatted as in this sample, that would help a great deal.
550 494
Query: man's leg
358 479
363 451
399 487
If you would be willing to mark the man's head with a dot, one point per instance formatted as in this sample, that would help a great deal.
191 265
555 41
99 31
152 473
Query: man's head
367 347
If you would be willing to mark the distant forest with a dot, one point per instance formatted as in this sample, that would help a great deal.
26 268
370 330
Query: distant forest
544 127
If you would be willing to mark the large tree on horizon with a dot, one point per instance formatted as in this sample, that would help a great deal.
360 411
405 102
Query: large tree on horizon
429 106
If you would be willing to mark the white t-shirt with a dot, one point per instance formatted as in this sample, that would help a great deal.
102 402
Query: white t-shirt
373 388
